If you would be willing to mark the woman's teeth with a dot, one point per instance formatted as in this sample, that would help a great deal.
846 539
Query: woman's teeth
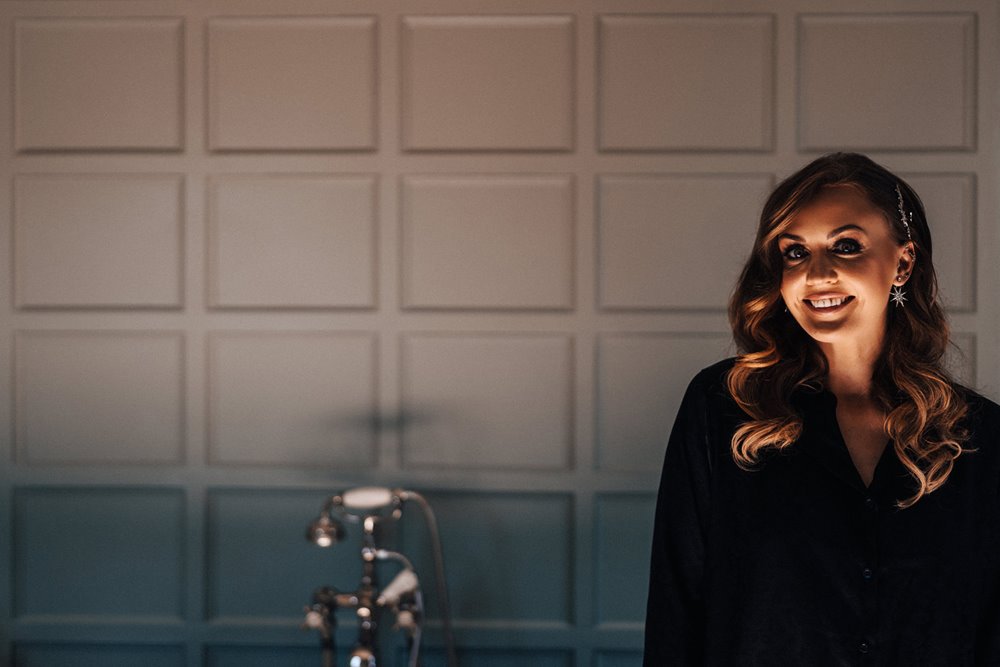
828 303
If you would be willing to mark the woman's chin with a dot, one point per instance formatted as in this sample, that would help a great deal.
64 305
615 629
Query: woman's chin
826 332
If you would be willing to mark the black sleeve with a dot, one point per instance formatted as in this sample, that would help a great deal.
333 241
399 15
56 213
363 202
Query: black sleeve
988 637
984 424
675 609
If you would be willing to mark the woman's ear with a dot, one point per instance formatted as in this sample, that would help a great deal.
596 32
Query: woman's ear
907 260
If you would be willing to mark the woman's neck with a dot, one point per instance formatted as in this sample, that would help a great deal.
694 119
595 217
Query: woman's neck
851 367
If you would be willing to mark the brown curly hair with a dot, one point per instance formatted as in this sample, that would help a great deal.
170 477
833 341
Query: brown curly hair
923 403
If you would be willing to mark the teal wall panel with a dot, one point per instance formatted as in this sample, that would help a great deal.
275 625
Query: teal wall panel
624 534
259 563
97 655
618 659
508 556
502 658
264 656
98 551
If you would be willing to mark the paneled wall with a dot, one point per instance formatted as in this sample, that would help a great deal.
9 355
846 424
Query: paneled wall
256 252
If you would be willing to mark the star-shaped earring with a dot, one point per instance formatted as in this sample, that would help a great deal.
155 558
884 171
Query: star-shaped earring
898 295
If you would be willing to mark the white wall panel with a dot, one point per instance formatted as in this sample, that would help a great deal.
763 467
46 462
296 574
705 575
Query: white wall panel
98 83
960 359
672 82
488 82
641 379
950 203
893 82
487 401
99 397
488 241
92 240
303 83
294 399
674 241
292 240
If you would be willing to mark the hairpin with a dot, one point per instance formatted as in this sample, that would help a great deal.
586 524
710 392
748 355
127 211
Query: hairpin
902 213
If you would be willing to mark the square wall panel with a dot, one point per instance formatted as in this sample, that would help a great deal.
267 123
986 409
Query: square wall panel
66 654
887 81
487 401
488 242
292 241
619 658
98 240
98 84
960 359
515 657
295 83
686 82
641 379
950 203
494 547
258 536
624 533
296 399
267 656
99 397
675 241
99 552
488 82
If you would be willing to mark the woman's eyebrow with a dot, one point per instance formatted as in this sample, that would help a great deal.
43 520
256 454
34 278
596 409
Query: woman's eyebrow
830 235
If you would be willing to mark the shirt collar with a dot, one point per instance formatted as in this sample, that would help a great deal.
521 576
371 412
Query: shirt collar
822 440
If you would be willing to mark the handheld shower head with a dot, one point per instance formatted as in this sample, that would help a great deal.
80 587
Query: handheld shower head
367 499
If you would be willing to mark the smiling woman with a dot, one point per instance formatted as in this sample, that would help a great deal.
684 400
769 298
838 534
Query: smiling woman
793 524
836 244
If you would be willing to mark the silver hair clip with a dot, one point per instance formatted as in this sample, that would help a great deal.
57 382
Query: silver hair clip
902 213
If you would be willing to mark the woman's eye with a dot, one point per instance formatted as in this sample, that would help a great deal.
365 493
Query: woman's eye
794 252
847 246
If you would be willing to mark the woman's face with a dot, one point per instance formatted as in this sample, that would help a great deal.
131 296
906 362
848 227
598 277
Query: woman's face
840 263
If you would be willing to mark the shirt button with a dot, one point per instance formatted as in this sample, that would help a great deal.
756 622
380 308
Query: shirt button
867 573
870 503
863 647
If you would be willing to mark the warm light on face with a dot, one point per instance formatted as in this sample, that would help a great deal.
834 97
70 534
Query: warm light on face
840 260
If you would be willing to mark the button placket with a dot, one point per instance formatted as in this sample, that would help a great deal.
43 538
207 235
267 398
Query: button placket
870 522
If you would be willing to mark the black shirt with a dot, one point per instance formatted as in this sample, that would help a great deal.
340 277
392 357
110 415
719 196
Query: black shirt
799 563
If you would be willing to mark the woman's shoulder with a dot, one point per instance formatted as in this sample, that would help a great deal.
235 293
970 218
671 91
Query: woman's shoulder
983 410
714 375
710 382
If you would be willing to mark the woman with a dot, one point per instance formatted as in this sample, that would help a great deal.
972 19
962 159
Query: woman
831 496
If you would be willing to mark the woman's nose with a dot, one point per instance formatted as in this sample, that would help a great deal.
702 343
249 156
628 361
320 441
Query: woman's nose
820 270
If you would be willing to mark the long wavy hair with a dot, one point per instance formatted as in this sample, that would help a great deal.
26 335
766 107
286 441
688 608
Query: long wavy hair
924 407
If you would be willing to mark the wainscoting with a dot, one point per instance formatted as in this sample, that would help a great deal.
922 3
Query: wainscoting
260 252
